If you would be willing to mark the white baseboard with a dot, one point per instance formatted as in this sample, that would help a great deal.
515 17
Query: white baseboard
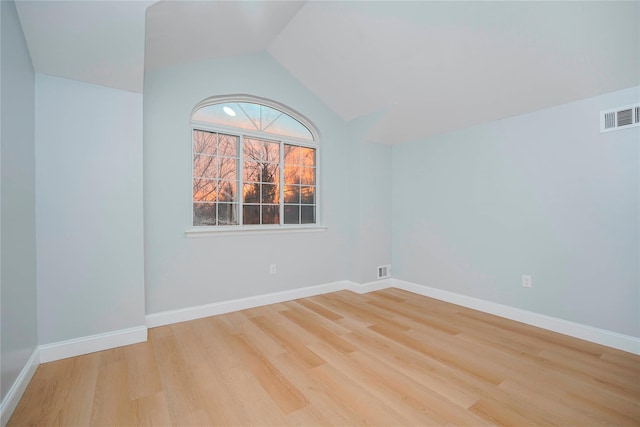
76 347
566 327
577 330
91 344
363 288
200 311
14 394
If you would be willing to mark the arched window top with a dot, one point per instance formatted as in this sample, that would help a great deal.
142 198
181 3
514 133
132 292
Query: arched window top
255 164
252 114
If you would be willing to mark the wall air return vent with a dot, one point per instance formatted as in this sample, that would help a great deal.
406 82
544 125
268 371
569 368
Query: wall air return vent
384 271
620 118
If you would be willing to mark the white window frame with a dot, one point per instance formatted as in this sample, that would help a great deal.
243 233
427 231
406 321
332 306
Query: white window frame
202 231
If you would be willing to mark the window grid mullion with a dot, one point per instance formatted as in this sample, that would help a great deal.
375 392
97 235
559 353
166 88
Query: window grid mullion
260 177
217 176
220 130
300 190
281 183
240 180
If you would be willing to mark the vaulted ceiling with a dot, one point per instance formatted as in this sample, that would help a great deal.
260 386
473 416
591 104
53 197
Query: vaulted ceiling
422 68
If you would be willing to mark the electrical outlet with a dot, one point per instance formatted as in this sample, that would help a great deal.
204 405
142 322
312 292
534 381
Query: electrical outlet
526 281
272 269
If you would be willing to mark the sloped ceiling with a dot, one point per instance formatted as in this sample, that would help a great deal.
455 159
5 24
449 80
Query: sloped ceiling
437 66
184 31
100 42
422 67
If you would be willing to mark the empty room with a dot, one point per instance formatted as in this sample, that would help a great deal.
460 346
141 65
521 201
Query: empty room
319 213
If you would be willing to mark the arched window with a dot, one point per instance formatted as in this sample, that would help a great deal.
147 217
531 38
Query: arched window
254 164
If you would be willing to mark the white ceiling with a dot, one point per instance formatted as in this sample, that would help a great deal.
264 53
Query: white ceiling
190 31
422 68
99 42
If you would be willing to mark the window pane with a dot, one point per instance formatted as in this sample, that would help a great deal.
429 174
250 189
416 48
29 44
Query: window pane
251 214
221 188
227 214
216 114
308 176
271 152
308 156
245 115
204 142
288 126
228 168
291 194
271 214
251 193
251 149
204 166
308 195
307 214
291 154
291 214
269 115
252 171
227 191
270 193
204 190
291 174
228 145
269 172
251 112
204 214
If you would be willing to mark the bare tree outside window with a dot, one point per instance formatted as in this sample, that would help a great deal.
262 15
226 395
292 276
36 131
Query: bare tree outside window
215 178
261 190
247 180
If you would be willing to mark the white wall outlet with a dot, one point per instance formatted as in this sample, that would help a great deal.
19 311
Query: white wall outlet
272 269
526 281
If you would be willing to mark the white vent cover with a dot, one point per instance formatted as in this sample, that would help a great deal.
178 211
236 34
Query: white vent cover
620 118
384 271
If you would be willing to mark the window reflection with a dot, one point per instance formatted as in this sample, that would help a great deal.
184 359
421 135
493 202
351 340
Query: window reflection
242 179
253 117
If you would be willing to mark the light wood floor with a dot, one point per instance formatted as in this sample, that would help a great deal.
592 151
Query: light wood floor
386 358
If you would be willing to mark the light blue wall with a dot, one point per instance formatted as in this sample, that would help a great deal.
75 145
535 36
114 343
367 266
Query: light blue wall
544 194
89 209
370 212
185 272
17 193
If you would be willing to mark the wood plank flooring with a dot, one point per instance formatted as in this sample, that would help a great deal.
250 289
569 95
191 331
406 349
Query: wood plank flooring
387 358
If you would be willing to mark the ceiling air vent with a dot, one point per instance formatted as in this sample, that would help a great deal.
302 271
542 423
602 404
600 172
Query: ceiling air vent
620 118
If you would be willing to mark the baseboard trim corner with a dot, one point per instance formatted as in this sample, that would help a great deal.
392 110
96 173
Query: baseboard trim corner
363 288
10 401
577 330
92 343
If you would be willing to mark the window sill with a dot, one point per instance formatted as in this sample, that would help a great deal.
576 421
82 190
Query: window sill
248 230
